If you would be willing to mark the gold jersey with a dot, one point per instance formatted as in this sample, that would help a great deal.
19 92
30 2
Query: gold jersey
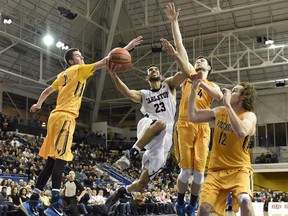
203 99
70 85
228 151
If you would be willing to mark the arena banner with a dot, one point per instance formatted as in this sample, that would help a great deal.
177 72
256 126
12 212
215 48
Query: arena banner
278 208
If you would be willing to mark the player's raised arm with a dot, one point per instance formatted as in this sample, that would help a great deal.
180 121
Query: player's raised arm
133 95
42 98
172 15
184 66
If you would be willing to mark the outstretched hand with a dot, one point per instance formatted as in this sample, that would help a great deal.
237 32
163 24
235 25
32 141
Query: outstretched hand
171 12
35 107
196 84
112 68
133 43
167 46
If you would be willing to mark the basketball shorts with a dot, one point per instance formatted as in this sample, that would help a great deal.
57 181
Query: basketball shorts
218 184
58 141
191 143
157 151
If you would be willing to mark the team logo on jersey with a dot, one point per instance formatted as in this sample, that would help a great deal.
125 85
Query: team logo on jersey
157 97
224 125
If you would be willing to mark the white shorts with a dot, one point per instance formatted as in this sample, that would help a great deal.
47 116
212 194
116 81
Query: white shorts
158 149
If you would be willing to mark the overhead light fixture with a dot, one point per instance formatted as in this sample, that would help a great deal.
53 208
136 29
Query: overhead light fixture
67 13
62 45
48 40
265 40
269 42
280 83
6 19
156 48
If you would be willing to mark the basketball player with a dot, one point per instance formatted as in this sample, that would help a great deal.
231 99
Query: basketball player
56 147
230 167
154 130
191 140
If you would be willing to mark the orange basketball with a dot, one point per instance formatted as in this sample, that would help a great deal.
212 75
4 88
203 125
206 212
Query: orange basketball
121 57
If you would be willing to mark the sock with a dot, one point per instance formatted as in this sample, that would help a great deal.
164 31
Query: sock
193 200
180 199
35 194
55 195
136 147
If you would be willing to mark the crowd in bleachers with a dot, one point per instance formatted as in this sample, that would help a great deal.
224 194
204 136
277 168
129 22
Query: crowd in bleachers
266 158
19 157
268 195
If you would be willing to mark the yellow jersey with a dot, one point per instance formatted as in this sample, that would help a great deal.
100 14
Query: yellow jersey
228 151
203 99
70 85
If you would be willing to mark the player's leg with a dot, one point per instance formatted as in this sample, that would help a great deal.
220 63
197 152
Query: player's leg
245 202
136 185
30 206
146 134
62 152
204 209
140 183
183 137
211 195
244 187
200 157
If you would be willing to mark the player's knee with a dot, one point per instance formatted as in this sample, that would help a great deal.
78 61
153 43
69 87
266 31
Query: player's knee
244 198
204 209
185 175
198 177
245 203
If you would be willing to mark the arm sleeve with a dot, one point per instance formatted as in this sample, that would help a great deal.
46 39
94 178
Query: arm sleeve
85 71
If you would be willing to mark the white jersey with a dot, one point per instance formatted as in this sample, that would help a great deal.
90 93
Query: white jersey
159 104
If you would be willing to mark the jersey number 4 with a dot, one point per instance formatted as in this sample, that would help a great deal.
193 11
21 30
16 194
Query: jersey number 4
159 107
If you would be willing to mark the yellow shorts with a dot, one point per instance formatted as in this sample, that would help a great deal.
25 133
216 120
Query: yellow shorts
218 184
58 141
191 143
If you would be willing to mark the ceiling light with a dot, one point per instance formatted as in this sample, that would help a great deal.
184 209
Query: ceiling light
48 40
59 44
265 40
269 42
6 19
280 83
62 45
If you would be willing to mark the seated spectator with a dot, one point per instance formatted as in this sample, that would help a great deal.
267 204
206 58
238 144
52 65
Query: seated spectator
14 198
45 198
268 158
23 195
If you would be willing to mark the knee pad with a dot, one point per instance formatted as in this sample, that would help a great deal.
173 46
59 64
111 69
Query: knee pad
198 177
243 196
185 175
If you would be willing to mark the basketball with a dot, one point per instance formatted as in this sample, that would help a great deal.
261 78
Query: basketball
121 57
